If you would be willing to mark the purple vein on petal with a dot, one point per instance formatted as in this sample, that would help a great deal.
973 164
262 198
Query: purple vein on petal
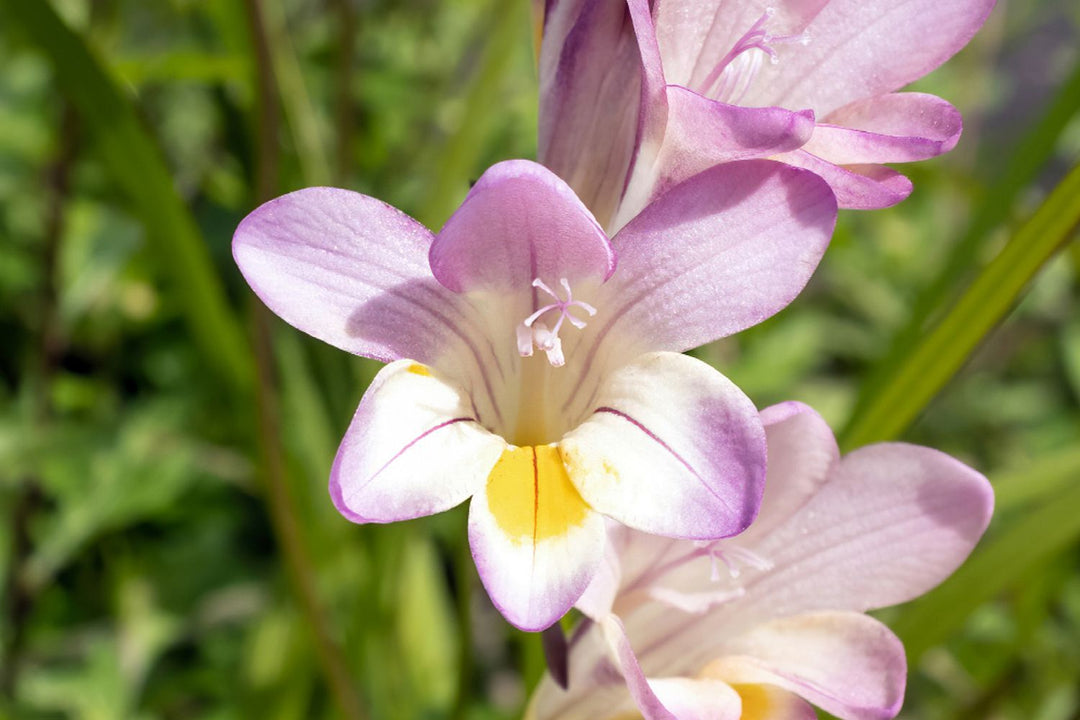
456 329
659 441
417 439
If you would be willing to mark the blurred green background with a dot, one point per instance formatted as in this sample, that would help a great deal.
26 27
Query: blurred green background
167 545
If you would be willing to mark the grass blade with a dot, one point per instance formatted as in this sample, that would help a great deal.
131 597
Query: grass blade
1031 155
934 359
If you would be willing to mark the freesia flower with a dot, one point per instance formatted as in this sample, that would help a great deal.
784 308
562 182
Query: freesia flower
534 366
638 95
764 624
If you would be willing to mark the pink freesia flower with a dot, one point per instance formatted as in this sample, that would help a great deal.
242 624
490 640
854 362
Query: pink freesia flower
766 623
532 372
638 95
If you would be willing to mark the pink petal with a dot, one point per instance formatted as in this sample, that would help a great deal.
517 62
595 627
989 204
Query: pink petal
535 543
653 80
599 596
701 133
862 48
716 254
590 85
901 127
857 187
802 451
519 222
672 448
413 449
892 521
349 270
848 664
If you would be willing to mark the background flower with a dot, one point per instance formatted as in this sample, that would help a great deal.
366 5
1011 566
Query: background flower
810 83
739 627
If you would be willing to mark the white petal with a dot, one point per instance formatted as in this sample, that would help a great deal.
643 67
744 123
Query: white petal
535 542
672 448
414 448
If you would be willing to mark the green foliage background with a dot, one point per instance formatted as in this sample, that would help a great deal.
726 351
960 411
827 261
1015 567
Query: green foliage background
167 546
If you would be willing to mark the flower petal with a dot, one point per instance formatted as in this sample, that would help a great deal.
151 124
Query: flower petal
848 664
349 270
857 187
536 543
769 702
689 699
861 48
413 449
716 254
695 37
802 450
597 689
623 654
901 127
701 133
519 222
892 521
672 448
589 60
599 596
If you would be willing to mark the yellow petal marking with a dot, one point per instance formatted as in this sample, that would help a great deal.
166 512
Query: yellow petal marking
757 701
418 369
531 496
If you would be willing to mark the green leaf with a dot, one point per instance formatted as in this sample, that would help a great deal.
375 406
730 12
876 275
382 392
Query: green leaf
1028 158
136 165
932 362
1036 481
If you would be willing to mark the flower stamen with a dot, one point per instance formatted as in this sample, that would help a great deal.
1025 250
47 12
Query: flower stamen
533 332
735 559
732 77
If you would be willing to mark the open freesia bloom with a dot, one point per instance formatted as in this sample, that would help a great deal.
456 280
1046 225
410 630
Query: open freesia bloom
638 95
535 366
761 625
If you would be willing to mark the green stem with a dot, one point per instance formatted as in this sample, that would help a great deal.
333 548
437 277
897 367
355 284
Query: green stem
465 576
286 528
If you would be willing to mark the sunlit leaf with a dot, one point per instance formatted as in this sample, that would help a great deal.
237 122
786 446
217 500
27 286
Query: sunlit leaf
934 359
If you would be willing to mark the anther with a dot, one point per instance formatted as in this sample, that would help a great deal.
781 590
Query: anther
533 332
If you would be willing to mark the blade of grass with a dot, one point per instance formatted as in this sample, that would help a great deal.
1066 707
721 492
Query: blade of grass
1036 481
137 167
932 361
312 150
1014 550
299 564
1030 156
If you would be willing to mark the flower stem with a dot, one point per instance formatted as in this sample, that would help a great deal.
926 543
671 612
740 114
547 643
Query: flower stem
283 520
